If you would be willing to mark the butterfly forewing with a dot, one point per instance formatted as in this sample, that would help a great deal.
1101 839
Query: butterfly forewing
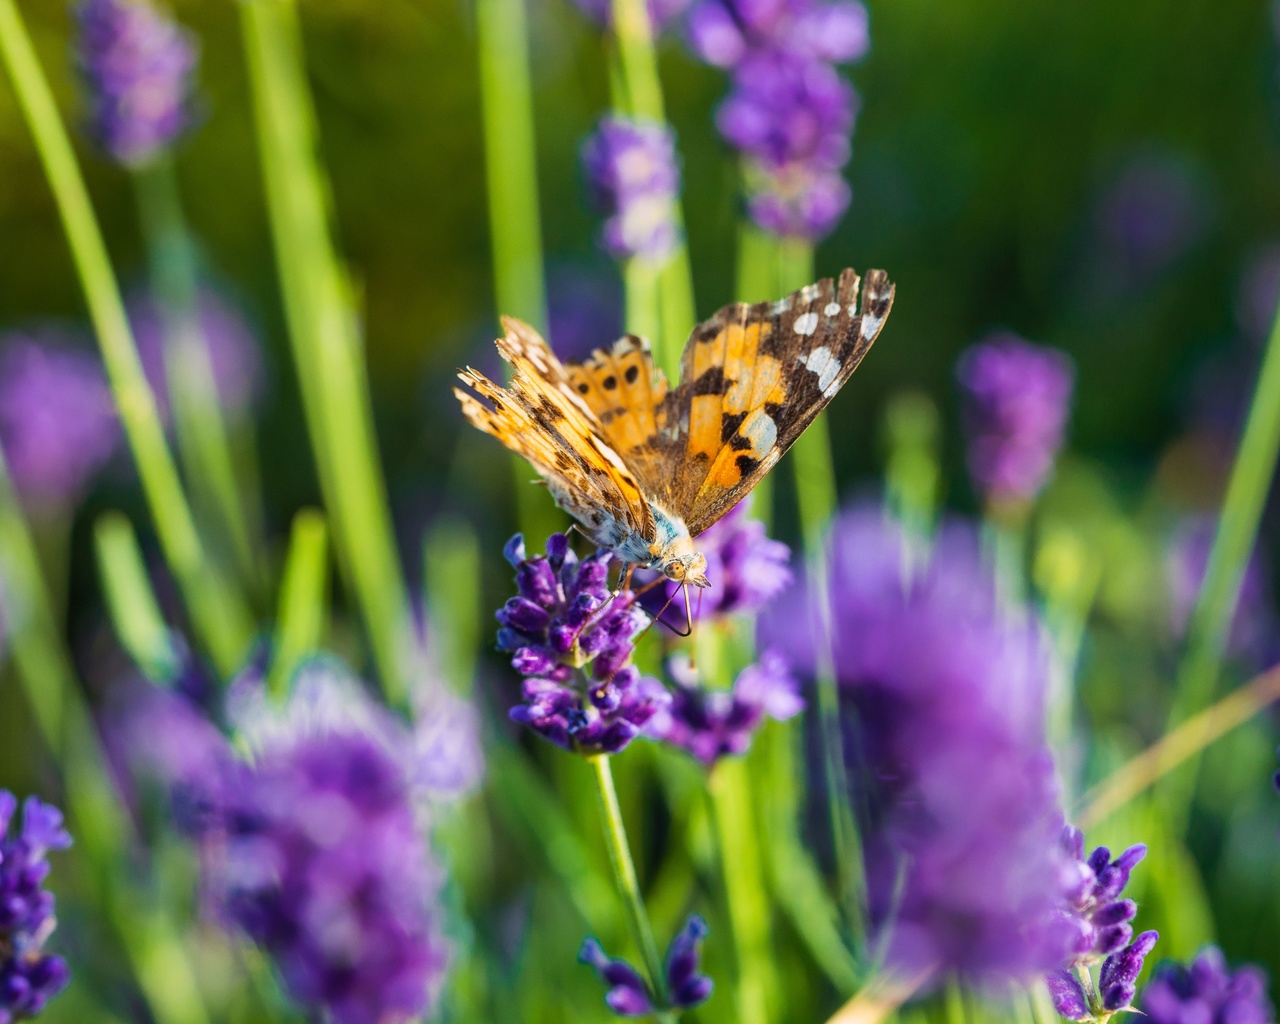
753 378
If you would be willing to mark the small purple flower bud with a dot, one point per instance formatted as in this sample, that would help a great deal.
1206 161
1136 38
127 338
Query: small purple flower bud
533 661
1068 996
537 582
687 987
513 550
1115 913
522 614
1118 978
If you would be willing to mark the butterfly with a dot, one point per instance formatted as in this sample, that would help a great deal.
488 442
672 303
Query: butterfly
645 468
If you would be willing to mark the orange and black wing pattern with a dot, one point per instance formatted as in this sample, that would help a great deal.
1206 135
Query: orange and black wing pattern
752 378
543 419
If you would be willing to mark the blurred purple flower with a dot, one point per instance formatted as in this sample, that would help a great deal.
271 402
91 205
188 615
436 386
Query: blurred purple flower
584 311
629 994
1150 215
563 624
29 977
1259 294
632 170
1098 916
944 697
58 425
712 723
1252 638
747 570
234 355
1207 992
137 65
661 12
313 844
1016 401
789 112
725 32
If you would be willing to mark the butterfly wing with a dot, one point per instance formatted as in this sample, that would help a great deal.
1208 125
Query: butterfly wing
627 393
541 418
752 378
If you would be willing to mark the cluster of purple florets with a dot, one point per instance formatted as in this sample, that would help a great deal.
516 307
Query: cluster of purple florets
711 724
1099 930
29 977
572 640
629 995
790 112
137 65
1207 992
633 173
1016 401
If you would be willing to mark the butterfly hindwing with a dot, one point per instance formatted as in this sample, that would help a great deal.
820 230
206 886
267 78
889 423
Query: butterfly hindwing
753 377
542 419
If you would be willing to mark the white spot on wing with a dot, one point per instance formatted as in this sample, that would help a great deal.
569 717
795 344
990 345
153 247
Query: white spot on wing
761 431
781 306
822 362
831 309
853 309
806 323
871 325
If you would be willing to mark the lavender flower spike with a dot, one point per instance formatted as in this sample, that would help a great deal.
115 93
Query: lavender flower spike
1099 917
572 640
629 995
1068 995
1017 397
1118 979
29 977
137 65
58 426
633 174
1208 992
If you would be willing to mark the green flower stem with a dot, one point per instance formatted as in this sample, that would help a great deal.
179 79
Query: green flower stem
746 893
816 496
1183 744
204 441
327 348
300 625
1210 622
670 309
451 573
224 624
131 603
150 941
624 873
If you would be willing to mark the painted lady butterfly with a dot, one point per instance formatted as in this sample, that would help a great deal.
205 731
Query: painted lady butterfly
645 469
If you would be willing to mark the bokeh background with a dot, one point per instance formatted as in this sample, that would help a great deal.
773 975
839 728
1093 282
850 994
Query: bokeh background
1103 178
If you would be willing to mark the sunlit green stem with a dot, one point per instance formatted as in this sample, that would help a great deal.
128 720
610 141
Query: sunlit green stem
745 891
150 941
1210 622
204 440
1185 743
131 603
816 496
624 872
451 594
219 616
638 94
327 347
300 624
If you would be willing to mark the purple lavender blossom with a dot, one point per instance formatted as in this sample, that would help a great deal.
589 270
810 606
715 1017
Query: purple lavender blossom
572 641
661 12
789 112
234 355
58 425
634 176
1253 625
313 846
137 65
1017 397
943 696
1207 992
746 568
1099 917
629 995
710 724
29 977
1068 995
1118 979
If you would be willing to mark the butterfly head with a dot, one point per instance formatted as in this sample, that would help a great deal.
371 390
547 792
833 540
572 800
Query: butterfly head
689 568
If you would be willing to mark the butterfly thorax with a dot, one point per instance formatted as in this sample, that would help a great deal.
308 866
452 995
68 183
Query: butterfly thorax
669 551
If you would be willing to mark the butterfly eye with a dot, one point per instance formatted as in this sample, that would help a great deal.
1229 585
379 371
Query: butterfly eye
674 571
